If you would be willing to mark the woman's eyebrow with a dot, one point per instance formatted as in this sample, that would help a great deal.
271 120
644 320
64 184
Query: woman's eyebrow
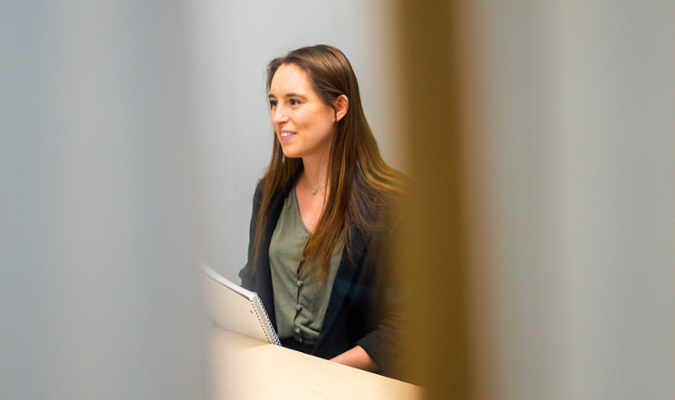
287 95
295 95
292 94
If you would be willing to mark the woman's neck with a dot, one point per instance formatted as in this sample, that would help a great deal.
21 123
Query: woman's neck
316 171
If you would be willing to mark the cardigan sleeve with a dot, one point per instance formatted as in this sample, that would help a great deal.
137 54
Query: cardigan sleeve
384 343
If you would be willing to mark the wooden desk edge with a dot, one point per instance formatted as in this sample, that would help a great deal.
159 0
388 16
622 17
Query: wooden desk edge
242 366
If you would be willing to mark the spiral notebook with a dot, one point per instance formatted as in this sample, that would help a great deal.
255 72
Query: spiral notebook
236 309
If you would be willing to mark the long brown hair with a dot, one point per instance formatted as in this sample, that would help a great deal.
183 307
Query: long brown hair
360 182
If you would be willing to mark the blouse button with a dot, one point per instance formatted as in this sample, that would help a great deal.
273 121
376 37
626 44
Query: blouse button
297 330
298 307
299 283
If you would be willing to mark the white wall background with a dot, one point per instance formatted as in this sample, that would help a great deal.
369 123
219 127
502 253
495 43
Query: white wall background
236 40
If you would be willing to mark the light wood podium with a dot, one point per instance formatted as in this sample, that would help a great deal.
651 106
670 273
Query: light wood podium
245 368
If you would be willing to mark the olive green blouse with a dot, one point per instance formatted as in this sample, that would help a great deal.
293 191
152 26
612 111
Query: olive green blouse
299 302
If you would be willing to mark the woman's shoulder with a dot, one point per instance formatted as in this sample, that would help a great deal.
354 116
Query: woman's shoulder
391 192
376 208
283 188
258 193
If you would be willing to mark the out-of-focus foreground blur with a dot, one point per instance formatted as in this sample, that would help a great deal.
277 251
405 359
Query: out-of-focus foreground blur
539 138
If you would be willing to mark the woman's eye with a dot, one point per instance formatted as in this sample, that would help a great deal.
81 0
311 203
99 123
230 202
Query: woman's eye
273 103
294 102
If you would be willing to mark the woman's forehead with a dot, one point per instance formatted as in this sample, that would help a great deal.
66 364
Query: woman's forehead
290 79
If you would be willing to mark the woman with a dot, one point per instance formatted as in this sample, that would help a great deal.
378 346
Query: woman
320 225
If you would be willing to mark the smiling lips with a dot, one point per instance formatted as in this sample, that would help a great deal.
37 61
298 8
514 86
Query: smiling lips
285 134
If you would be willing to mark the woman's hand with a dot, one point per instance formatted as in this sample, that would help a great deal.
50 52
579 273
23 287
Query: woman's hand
357 358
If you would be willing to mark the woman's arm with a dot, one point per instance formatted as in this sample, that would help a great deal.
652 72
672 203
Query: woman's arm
383 344
357 358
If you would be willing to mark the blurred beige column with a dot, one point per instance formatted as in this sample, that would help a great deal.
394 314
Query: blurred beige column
438 355
98 295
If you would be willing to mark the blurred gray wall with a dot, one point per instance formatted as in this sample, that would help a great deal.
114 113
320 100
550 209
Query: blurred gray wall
577 155
236 41
98 290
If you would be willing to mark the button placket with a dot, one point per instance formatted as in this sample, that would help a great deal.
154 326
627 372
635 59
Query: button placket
298 308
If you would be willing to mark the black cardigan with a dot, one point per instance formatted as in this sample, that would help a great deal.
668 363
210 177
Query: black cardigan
362 304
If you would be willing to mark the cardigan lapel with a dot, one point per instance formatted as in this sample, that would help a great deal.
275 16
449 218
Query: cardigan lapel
343 282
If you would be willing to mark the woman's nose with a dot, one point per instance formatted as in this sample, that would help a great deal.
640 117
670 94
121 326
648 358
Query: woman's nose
279 116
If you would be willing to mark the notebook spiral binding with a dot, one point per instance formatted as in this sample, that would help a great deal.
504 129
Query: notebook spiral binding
266 323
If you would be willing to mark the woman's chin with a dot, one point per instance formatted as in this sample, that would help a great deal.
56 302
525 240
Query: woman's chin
291 154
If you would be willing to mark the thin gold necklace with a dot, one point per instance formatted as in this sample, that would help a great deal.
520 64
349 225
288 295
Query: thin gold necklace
315 191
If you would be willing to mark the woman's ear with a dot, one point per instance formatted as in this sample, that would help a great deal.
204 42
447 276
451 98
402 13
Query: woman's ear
341 106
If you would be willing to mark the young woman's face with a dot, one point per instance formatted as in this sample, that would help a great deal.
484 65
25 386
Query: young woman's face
304 124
